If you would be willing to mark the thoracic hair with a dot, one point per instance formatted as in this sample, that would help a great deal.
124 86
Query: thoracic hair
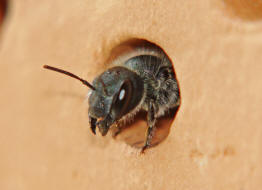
156 71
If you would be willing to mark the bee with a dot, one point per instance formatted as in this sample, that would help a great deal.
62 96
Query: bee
142 80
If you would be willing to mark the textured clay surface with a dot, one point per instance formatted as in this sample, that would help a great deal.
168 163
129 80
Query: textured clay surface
213 143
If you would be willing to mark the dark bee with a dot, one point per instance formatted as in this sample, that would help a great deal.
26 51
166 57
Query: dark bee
144 80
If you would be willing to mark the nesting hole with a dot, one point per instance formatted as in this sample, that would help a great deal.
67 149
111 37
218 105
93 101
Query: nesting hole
134 133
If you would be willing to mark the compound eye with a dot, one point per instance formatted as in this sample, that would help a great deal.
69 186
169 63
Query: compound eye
123 100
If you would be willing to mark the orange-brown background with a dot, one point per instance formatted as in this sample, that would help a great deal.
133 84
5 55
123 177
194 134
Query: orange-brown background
215 140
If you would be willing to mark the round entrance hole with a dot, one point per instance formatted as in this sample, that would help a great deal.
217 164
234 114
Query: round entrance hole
134 132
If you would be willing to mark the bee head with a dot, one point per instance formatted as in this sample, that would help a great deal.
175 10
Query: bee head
115 93
118 91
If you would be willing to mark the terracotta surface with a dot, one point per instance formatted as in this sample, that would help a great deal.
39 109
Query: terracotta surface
215 140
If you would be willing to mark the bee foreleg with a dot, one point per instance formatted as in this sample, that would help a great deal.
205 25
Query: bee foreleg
151 121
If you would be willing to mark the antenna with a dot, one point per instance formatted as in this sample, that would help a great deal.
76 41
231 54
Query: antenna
69 74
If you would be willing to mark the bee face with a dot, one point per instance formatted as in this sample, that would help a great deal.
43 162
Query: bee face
118 91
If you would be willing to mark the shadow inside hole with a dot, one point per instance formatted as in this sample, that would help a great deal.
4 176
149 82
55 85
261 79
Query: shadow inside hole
134 134
130 46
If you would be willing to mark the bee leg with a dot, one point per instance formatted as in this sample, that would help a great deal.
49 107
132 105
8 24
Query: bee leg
151 121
